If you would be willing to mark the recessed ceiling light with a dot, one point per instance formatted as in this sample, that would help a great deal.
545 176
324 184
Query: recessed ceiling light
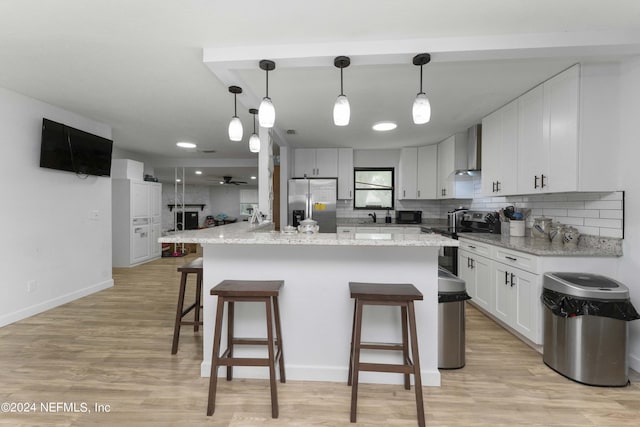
384 126
221 182
178 180
185 144
253 177
198 172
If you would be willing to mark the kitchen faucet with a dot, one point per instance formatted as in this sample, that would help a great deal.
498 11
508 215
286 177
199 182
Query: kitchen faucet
373 215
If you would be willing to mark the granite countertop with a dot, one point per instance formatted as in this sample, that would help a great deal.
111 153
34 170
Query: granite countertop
241 233
367 222
588 246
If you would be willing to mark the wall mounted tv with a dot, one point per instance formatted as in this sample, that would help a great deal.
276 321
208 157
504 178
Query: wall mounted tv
69 149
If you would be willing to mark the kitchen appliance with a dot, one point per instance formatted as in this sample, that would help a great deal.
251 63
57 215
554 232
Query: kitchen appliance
314 198
408 217
465 221
474 150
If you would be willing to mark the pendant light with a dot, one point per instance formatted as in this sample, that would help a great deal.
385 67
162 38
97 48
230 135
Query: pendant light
341 109
421 105
254 140
267 114
235 125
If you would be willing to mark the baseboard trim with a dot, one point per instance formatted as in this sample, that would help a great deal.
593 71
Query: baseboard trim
323 373
21 314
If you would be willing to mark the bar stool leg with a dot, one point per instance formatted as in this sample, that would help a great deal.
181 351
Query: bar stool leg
176 328
230 320
356 360
276 309
196 315
405 345
353 331
416 365
213 378
272 359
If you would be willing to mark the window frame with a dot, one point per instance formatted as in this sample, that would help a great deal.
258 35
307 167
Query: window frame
374 169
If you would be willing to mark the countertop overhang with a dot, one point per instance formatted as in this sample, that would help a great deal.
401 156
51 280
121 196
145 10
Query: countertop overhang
263 234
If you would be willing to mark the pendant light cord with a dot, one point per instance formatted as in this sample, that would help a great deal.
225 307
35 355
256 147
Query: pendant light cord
235 105
267 71
341 89
421 79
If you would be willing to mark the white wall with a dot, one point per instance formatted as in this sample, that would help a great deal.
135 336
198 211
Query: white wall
48 238
629 272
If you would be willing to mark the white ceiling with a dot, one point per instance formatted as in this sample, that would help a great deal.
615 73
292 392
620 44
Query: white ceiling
138 65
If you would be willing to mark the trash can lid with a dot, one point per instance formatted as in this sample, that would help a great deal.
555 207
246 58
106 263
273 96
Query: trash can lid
450 283
585 285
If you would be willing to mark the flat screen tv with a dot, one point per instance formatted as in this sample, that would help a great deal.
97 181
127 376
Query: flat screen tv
69 149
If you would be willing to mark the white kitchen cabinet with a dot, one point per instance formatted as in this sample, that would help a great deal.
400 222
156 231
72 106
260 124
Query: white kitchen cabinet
514 292
499 151
345 173
566 132
315 162
475 270
418 173
408 173
345 231
452 155
136 215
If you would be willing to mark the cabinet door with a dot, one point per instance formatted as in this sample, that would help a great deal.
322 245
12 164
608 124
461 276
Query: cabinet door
156 199
327 163
408 173
503 304
139 243
304 162
155 247
140 199
491 141
427 183
561 97
345 173
446 156
532 146
465 273
482 272
528 308
508 154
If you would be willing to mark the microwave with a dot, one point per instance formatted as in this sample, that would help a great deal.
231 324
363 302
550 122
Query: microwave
408 217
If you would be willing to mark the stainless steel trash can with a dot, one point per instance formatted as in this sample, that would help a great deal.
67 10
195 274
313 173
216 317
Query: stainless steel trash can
452 293
585 327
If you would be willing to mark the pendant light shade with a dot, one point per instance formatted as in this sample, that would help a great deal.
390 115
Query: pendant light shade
267 113
421 105
235 125
254 140
341 108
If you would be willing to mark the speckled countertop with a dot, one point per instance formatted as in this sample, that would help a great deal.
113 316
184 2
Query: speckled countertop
362 222
241 233
588 246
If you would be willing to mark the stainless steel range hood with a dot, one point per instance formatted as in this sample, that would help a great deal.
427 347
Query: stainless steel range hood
474 152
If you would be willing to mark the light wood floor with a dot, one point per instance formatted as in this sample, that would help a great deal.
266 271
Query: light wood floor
114 348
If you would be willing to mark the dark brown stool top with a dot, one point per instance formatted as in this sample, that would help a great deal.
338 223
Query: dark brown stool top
384 291
255 288
194 266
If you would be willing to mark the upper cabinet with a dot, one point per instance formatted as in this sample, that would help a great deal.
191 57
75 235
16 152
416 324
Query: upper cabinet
562 135
315 162
499 151
345 173
418 172
452 156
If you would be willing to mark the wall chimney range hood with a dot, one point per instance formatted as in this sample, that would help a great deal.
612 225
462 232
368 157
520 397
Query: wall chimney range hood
474 152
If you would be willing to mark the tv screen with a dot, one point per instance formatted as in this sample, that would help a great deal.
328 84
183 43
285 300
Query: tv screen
69 149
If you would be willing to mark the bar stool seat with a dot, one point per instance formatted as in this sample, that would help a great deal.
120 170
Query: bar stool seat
232 291
193 267
387 294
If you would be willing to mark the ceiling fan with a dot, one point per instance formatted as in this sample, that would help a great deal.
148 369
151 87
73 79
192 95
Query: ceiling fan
227 180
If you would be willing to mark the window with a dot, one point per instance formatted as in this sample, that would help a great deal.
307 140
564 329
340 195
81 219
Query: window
373 188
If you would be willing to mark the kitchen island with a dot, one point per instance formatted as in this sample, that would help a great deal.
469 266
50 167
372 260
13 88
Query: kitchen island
316 308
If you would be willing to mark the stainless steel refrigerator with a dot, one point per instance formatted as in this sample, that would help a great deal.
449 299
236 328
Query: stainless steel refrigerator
314 197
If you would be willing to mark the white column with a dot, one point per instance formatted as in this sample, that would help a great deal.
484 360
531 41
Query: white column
265 171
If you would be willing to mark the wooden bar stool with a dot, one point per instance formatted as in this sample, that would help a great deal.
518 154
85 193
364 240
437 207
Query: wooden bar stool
232 291
390 294
194 266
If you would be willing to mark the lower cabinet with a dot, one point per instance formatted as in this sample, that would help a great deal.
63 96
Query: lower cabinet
475 270
516 299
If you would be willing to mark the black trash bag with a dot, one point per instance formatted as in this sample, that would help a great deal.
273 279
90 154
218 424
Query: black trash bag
569 306
453 297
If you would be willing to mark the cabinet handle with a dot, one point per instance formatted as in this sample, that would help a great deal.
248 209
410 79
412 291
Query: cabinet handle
350 194
497 186
541 181
471 247
512 275
473 263
493 186
511 258
506 278
404 193
535 182
418 193
444 191
468 262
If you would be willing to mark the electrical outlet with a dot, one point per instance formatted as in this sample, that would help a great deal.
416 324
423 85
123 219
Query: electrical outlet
94 215
32 286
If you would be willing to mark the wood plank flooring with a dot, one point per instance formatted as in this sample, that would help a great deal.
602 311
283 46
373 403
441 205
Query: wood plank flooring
114 348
